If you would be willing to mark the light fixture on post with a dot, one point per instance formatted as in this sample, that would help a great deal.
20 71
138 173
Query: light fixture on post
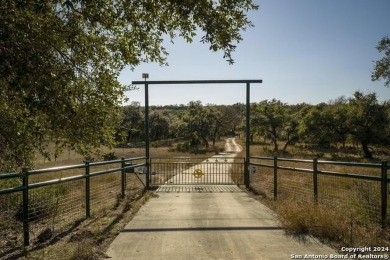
145 76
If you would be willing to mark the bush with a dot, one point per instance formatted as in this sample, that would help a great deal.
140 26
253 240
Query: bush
183 147
109 156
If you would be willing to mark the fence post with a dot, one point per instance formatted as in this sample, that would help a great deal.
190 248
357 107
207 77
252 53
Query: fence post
275 177
123 177
246 173
384 193
315 179
87 191
26 228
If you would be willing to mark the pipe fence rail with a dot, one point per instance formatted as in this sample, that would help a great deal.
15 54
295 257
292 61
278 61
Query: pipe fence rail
37 204
362 196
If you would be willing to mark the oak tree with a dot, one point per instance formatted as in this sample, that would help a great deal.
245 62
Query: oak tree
60 59
382 66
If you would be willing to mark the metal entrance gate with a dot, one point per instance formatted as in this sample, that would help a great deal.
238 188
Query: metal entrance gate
197 171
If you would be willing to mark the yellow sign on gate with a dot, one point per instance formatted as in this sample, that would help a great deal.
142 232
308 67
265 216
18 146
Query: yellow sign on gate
198 173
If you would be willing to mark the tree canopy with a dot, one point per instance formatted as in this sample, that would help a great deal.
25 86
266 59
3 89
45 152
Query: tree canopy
382 66
59 63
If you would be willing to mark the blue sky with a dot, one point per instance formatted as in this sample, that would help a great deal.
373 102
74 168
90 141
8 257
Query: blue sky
304 50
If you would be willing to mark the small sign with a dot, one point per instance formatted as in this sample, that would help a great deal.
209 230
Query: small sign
198 173
145 75
253 170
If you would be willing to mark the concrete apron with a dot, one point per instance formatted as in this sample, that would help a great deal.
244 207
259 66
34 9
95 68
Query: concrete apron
208 225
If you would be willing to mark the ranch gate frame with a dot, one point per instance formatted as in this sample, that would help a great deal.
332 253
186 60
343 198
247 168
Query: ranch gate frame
247 82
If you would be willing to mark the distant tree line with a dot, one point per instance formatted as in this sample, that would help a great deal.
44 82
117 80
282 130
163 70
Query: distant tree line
360 119
197 124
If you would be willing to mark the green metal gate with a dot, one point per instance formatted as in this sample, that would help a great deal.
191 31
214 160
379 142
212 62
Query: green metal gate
197 171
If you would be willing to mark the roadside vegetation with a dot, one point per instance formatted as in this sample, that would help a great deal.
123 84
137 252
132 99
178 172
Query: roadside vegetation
348 210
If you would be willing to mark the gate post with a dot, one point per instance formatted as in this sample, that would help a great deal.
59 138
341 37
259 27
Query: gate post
384 194
248 132
315 180
246 174
147 141
123 177
275 177
26 224
87 191
148 169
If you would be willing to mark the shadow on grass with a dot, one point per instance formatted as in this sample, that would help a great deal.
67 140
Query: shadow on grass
18 253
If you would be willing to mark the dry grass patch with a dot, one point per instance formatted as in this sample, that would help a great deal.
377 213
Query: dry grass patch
331 226
90 238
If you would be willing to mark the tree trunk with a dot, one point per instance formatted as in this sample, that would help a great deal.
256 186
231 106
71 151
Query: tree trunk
285 145
275 142
367 152
206 143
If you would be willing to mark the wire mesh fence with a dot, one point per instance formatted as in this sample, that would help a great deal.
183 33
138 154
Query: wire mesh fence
53 208
363 196
262 180
37 205
105 191
11 225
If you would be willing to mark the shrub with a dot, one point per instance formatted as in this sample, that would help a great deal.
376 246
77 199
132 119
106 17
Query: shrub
109 156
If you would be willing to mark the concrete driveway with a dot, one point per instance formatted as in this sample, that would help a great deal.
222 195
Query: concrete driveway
215 223
208 222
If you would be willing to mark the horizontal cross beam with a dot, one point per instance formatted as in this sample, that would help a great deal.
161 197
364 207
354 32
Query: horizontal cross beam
170 82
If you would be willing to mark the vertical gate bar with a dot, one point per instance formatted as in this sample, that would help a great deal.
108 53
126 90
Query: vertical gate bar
275 177
384 193
87 191
220 171
26 226
247 144
315 180
217 172
210 169
242 171
147 152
